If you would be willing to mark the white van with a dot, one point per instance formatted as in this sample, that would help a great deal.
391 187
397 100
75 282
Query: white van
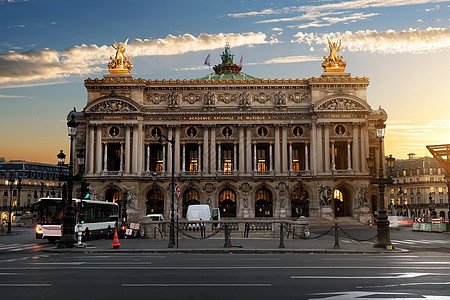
199 212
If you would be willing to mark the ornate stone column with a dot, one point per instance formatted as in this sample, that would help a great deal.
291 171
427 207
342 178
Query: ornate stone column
327 148
291 170
356 145
121 157
170 135
270 157
241 151
219 157
206 150
306 157
234 157
213 150
199 158
349 156
177 150
320 149
127 149
135 144
248 148
284 150
364 148
147 166
277 149
105 157
98 146
254 158
313 146
90 155
183 158
333 158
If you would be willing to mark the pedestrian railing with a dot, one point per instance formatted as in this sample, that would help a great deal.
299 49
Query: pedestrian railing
281 229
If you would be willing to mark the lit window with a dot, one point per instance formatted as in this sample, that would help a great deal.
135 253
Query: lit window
261 160
227 161
193 161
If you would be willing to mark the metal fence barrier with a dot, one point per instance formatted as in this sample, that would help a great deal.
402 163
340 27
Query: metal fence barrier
281 229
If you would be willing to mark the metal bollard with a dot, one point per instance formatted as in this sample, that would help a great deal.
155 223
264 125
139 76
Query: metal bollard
336 237
227 237
281 236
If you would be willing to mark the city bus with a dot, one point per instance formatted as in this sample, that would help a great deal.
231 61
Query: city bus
97 218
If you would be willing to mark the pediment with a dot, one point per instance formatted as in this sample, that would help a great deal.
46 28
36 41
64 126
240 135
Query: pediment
112 105
342 104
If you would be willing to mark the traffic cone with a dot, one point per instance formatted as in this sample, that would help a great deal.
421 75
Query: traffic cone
116 243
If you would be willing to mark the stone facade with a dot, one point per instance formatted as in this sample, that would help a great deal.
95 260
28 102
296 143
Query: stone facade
255 148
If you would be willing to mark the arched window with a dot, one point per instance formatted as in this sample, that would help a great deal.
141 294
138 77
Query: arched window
227 203
113 195
190 197
263 203
155 201
299 203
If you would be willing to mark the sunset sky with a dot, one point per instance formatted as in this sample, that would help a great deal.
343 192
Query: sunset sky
49 47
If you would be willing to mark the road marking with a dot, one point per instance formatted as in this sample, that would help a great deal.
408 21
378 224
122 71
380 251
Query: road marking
234 259
25 284
196 284
349 295
393 276
7 274
137 267
403 284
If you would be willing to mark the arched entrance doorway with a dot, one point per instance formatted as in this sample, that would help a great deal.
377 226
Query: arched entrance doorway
227 203
299 203
263 203
190 197
342 203
155 201
113 195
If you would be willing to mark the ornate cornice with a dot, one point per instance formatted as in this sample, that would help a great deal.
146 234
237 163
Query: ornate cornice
276 81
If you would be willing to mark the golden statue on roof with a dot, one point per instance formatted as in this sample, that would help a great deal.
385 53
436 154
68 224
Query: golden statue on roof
120 64
334 63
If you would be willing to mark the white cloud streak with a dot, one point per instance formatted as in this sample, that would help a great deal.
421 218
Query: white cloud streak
388 42
287 60
358 4
47 64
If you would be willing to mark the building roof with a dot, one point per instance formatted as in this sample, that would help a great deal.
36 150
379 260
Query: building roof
227 70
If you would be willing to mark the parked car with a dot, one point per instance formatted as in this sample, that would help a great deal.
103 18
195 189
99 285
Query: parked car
155 217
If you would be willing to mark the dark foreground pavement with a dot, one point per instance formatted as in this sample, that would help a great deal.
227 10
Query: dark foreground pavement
324 244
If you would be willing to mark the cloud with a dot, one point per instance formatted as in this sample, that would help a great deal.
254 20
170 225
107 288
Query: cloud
358 4
11 96
391 41
328 21
46 64
288 60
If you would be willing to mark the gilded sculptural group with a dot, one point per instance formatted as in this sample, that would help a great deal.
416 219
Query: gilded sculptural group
120 64
334 63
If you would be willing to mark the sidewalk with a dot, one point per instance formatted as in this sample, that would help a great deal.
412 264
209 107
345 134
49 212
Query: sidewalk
239 245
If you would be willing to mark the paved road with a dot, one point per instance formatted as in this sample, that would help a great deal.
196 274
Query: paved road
26 272
224 276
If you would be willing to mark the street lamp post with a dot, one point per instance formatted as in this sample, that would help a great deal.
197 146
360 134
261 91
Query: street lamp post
124 210
383 235
69 220
11 185
172 203
431 206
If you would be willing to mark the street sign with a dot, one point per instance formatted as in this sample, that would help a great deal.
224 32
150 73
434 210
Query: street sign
178 191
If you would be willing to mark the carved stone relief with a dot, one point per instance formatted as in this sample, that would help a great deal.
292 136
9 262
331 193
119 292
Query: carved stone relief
341 104
325 195
113 105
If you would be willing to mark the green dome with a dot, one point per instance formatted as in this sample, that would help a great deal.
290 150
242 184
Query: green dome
227 70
